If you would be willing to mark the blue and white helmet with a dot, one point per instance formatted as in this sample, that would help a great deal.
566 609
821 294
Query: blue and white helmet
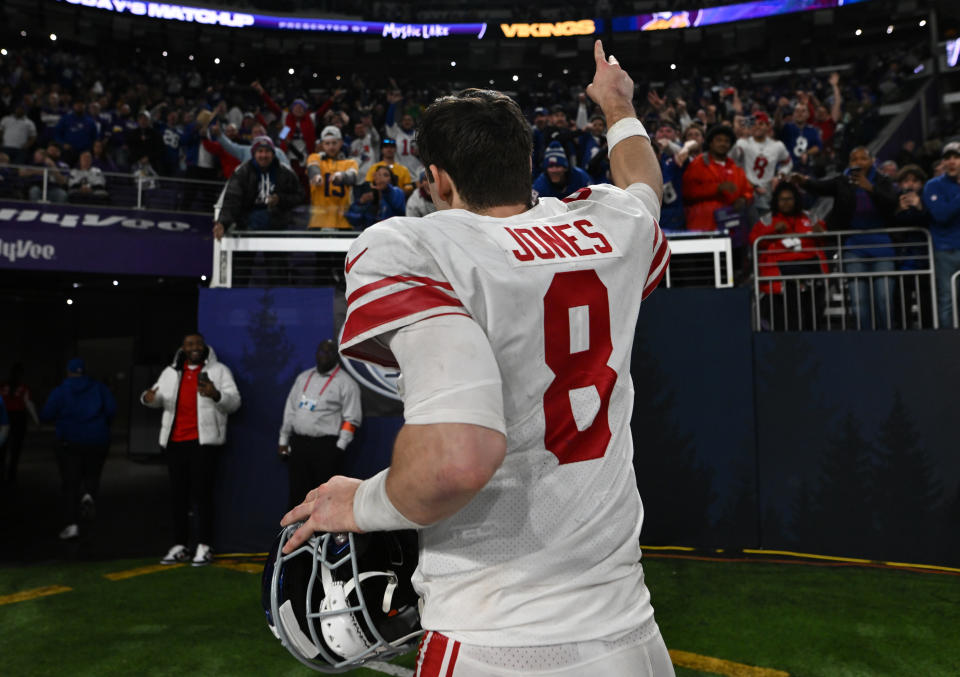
341 600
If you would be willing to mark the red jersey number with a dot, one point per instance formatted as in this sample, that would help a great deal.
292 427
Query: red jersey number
581 369
760 166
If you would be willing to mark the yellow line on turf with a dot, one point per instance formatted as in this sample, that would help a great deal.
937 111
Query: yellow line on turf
681 548
27 595
806 554
140 571
245 567
933 567
719 666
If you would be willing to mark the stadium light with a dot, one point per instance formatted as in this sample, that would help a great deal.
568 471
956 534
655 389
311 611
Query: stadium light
203 278
786 59
216 60
539 75
316 75
858 32
53 37
491 82
3 52
923 22
243 64
76 285
673 66
566 71
516 77
23 34
190 57
116 283
69 302
164 54
889 29
453 64
290 71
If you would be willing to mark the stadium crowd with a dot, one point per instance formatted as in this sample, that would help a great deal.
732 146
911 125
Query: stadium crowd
726 141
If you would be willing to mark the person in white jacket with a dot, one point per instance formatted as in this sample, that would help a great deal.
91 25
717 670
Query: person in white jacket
196 393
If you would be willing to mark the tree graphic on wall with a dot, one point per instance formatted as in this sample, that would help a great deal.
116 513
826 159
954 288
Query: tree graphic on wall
842 510
675 486
908 496
737 526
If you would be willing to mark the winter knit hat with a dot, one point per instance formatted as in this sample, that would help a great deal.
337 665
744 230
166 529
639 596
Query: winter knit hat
554 156
262 141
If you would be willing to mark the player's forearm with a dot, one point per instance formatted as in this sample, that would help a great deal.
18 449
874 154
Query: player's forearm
438 468
633 161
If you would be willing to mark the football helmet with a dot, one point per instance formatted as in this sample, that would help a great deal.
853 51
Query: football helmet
340 600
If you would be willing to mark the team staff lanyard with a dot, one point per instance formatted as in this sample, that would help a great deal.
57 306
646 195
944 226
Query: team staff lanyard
329 378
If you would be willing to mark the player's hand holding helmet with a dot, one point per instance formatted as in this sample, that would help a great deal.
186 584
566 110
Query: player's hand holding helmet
340 600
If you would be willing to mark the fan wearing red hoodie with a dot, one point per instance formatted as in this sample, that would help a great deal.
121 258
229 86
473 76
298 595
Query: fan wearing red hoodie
713 181
789 256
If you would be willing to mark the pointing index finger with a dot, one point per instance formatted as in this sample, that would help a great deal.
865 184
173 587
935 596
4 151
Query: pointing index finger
598 52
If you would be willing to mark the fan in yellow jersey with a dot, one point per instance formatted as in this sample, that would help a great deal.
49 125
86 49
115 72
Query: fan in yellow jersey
331 176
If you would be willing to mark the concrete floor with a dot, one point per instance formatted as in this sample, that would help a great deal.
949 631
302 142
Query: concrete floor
132 516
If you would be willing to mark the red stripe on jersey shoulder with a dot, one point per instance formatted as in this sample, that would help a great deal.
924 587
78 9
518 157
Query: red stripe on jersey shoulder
395 306
664 251
581 194
393 279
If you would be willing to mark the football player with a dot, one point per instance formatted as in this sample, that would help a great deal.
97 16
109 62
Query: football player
512 322
331 176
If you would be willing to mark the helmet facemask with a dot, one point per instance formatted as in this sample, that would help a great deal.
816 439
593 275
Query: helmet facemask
343 599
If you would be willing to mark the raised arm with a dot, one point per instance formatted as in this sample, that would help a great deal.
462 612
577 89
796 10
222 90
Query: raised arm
632 159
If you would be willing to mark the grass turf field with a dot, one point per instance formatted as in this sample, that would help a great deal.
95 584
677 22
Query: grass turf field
722 616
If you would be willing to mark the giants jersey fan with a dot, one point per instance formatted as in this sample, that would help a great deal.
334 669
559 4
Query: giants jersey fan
761 160
328 202
532 559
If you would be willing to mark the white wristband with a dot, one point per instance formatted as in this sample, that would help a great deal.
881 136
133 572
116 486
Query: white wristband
623 129
372 509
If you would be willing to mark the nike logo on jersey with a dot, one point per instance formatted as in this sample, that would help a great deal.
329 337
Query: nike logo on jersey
547 243
350 262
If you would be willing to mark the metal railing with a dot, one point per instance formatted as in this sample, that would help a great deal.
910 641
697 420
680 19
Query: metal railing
954 279
135 190
312 258
821 282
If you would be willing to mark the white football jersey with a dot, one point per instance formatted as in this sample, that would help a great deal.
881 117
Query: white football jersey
761 160
406 143
548 551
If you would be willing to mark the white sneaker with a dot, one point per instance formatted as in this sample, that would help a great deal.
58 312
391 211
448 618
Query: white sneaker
203 555
88 509
71 531
177 555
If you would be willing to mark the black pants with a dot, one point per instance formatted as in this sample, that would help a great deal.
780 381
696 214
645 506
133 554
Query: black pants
13 445
193 474
80 468
313 460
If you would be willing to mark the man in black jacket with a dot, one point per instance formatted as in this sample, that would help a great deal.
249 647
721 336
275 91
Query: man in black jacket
864 199
261 194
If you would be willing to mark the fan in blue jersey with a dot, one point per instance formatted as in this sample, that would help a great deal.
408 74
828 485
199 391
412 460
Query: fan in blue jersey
802 140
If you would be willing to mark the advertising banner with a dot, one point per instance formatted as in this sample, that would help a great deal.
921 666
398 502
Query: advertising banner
64 237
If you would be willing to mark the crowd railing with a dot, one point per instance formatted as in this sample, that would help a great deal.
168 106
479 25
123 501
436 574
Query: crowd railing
315 257
825 282
954 281
131 190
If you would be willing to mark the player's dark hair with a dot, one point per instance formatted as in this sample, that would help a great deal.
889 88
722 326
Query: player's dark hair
481 139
